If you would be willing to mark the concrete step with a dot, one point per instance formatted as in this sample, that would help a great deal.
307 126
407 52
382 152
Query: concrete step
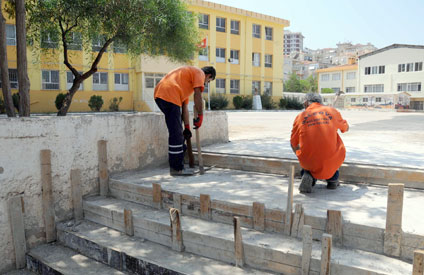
267 251
57 259
137 255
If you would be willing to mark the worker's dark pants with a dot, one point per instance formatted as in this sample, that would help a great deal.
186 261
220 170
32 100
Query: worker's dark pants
335 177
172 114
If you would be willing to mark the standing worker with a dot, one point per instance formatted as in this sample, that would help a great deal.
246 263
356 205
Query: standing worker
171 95
317 144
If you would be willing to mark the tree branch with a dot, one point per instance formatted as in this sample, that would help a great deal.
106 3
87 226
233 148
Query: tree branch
93 68
65 52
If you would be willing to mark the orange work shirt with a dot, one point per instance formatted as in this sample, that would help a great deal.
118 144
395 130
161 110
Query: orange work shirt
177 86
321 151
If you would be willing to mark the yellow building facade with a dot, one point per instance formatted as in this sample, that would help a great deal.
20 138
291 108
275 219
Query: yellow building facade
245 47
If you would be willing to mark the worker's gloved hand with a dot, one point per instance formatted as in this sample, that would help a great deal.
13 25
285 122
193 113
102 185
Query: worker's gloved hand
197 122
187 133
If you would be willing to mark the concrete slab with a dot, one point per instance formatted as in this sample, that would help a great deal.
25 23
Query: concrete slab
360 204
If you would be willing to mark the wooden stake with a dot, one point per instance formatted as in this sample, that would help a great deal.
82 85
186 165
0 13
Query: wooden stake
326 254
418 265
289 208
298 221
258 216
307 249
393 233
16 210
128 221
205 207
157 195
47 196
76 194
199 149
177 202
103 169
238 243
177 238
334 226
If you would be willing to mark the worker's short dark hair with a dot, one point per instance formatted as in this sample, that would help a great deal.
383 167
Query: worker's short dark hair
210 70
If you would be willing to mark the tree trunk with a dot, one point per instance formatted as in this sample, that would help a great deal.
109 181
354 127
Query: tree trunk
23 80
7 95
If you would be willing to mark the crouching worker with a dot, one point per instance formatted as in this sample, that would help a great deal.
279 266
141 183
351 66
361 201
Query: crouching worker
316 143
171 95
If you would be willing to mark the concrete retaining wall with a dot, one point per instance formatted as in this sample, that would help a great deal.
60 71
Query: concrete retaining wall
134 141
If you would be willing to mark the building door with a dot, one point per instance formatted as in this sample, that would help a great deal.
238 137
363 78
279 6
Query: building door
150 80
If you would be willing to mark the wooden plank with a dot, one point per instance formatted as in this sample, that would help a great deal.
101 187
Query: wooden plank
103 169
418 265
76 194
47 196
177 238
289 208
307 249
16 210
238 243
128 222
334 226
258 216
275 215
393 233
177 202
157 195
326 244
298 221
205 207
233 208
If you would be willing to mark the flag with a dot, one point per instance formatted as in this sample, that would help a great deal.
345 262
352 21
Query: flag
203 42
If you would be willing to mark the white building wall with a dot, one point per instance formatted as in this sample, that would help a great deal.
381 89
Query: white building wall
330 83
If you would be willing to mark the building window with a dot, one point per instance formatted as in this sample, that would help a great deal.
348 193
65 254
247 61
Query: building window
401 68
381 69
418 66
49 40
220 85
234 86
151 79
256 87
70 81
204 21
268 33
220 24
100 82
365 99
374 70
50 80
119 47
256 30
121 82
235 27
220 55
409 87
234 57
350 89
97 43
13 79
268 88
268 60
375 88
335 76
203 54
325 77
351 75
353 100
11 35
336 90
378 99
256 59
410 67
74 41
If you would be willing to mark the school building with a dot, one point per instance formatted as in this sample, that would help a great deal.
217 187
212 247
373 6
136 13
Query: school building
245 47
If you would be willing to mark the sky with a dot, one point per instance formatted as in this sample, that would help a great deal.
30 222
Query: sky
324 23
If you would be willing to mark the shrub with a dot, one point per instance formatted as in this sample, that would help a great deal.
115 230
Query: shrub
283 103
114 104
247 102
327 91
15 99
2 106
218 102
267 102
59 101
238 102
95 103
293 104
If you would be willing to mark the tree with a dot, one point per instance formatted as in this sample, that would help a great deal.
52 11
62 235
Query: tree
153 27
305 86
24 100
293 84
7 95
313 83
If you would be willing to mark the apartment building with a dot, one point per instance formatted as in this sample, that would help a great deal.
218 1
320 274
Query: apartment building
293 42
245 47
339 78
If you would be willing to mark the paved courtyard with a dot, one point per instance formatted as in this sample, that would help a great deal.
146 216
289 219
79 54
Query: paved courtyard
375 137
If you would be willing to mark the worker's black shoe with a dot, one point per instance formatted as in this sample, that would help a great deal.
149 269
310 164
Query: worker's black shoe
306 183
183 172
332 184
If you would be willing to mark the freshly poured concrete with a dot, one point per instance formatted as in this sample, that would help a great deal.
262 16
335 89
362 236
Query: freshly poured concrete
361 204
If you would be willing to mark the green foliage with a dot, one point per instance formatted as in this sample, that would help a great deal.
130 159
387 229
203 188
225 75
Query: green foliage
247 102
237 102
218 102
296 85
16 99
95 103
267 102
327 91
114 104
59 100
313 83
141 26
2 106
290 103
305 86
